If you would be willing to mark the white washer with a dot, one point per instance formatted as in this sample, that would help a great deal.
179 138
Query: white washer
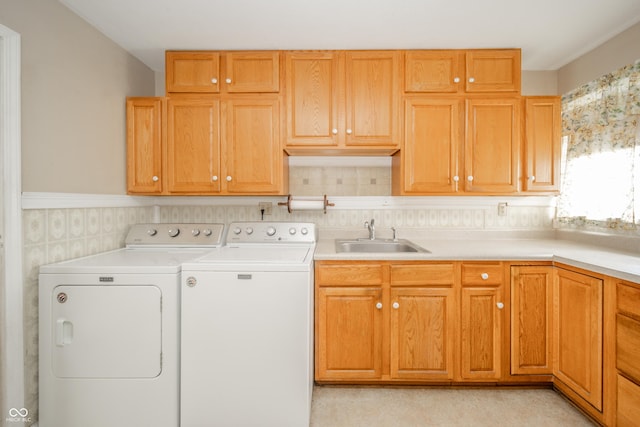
247 329
109 330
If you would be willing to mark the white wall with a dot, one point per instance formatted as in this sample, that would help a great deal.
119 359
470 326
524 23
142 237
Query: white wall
74 84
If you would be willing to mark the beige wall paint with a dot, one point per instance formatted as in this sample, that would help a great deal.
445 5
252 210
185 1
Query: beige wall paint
74 84
539 83
617 52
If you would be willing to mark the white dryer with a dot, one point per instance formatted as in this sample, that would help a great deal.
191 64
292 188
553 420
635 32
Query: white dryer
109 330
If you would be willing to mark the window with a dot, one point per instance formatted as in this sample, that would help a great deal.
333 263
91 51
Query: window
601 163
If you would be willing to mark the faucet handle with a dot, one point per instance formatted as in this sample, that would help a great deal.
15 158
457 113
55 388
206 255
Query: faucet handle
394 233
366 224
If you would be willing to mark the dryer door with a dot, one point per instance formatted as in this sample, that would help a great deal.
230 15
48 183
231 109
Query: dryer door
106 331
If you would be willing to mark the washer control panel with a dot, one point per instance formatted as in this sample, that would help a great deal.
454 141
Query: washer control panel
175 234
271 232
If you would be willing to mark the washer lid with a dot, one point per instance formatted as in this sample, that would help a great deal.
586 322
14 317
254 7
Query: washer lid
259 254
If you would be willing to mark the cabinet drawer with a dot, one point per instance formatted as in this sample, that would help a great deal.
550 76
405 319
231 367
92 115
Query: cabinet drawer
482 274
628 300
350 275
422 275
628 346
628 411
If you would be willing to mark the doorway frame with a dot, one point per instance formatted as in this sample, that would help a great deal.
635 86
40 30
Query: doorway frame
10 144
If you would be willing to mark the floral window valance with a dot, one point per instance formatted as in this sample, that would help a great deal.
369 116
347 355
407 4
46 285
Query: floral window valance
601 165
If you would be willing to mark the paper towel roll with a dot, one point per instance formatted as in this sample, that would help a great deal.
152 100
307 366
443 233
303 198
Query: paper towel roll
306 205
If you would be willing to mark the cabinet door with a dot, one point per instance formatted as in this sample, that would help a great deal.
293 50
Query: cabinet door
422 333
312 99
193 145
492 145
493 70
195 72
434 71
372 96
531 325
542 144
144 145
349 333
253 157
252 72
481 333
577 358
432 136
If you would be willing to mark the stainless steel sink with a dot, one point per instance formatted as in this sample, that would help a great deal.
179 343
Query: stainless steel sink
378 246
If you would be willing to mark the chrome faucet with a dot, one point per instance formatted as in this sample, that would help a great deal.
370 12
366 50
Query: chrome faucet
372 228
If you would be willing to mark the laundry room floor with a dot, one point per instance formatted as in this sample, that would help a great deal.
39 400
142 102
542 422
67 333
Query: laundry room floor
335 406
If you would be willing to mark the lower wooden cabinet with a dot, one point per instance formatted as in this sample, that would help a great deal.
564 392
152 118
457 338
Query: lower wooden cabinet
627 354
531 321
577 321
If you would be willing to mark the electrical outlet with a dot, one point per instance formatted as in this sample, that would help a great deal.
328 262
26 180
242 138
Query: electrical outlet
502 209
267 206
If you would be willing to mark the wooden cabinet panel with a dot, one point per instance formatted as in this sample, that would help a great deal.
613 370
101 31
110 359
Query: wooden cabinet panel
194 72
312 98
348 333
628 410
542 144
349 274
489 274
492 145
628 300
145 118
628 346
251 146
422 274
252 72
193 145
422 333
578 334
431 151
434 71
493 70
372 97
481 333
531 324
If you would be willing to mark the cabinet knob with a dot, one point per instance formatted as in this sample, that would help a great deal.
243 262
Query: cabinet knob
349 131
456 80
379 305
228 178
470 178
396 305
484 276
214 178
155 178
334 131
500 305
228 81
471 80
532 178
456 178
214 81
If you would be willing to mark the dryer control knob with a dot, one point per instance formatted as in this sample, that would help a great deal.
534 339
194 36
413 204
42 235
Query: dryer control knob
304 231
195 232
207 232
249 230
191 281
173 232
152 232
292 231
237 230
271 231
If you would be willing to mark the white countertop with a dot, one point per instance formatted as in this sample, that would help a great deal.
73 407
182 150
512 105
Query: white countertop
623 265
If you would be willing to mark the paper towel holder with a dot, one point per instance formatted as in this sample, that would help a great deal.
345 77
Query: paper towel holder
325 202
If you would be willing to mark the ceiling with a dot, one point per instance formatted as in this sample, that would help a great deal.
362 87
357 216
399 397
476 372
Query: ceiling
551 33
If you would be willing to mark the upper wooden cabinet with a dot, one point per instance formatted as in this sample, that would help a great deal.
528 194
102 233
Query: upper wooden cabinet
145 124
542 144
463 71
224 147
214 72
492 145
343 102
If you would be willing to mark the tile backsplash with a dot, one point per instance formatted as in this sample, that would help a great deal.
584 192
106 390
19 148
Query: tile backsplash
340 181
